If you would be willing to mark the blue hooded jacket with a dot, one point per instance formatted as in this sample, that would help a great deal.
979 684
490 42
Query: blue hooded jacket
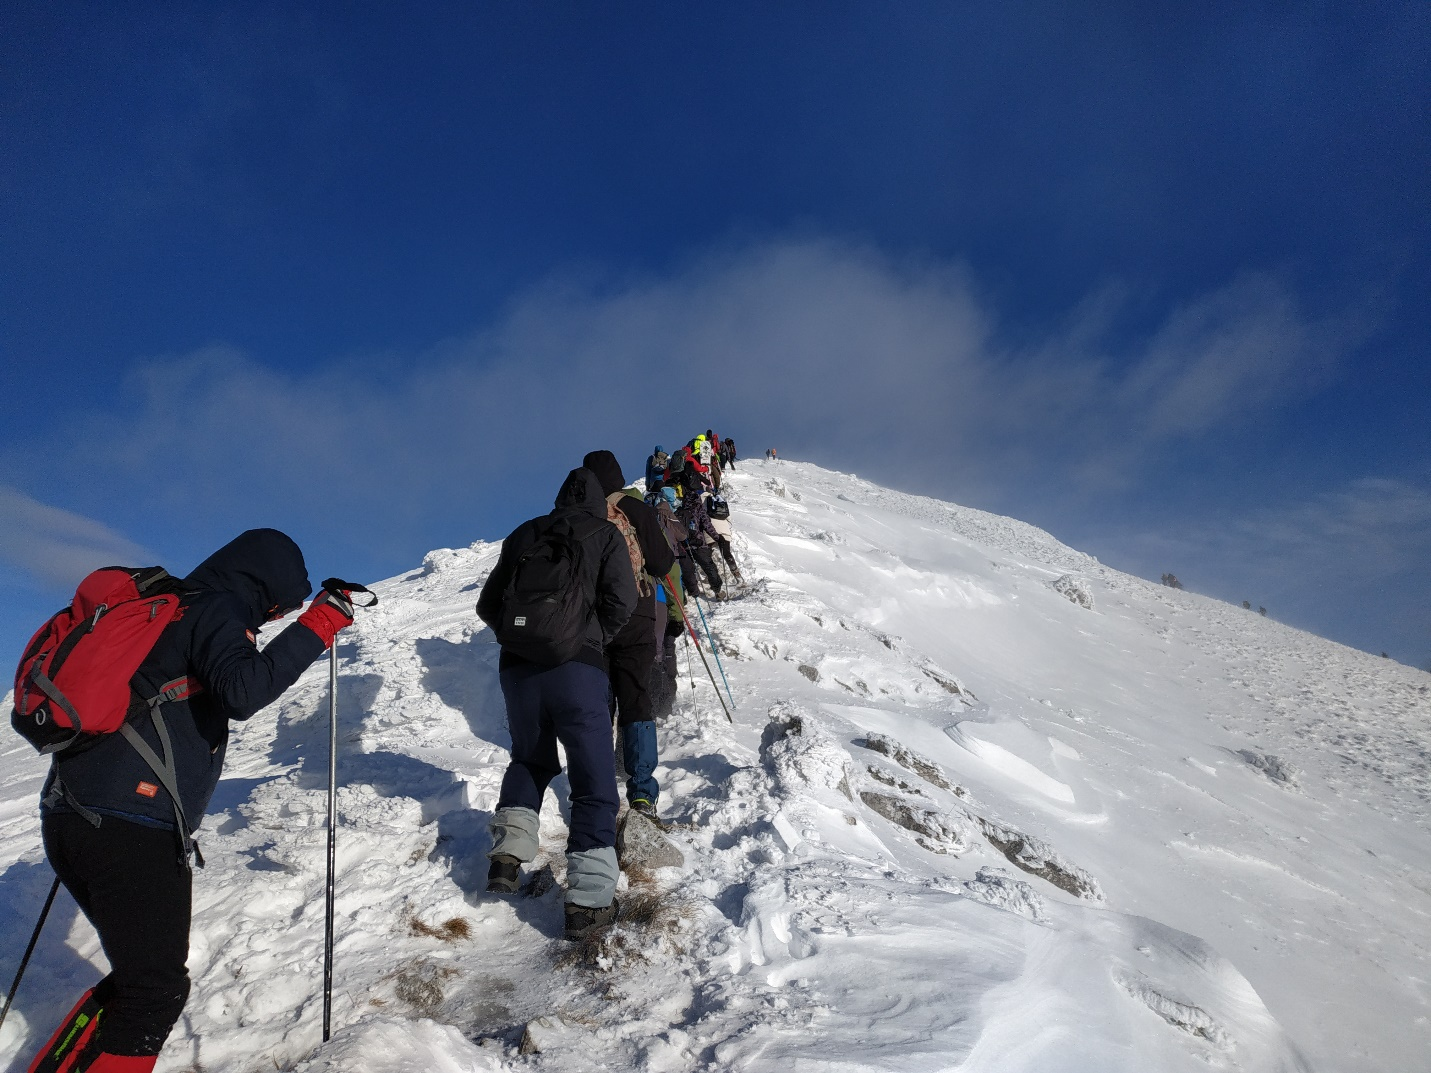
212 641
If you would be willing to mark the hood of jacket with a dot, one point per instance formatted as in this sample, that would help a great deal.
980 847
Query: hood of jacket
262 567
582 491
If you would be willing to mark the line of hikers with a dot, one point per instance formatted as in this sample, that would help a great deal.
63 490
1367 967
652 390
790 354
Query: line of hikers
586 602
626 669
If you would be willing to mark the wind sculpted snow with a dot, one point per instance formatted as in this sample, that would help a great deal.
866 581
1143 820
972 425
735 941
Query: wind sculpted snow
986 805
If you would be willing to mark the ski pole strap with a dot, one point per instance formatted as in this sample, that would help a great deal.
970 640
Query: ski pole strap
339 587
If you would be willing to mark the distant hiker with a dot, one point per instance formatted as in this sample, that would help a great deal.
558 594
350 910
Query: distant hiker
118 837
701 535
677 534
560 593
675 465
656 469
630 655
730 456
719 512
664 672
704 449
686 462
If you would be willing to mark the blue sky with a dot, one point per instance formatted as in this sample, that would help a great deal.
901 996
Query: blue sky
1152 278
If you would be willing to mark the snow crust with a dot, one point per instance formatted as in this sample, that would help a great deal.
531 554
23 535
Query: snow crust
987 805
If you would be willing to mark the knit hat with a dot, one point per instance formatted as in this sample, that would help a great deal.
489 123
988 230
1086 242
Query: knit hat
607 470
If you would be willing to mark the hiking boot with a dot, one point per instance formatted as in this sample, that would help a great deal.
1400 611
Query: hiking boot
505 875
581 920
646 808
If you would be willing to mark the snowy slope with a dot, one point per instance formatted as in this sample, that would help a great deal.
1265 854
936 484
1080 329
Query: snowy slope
962 821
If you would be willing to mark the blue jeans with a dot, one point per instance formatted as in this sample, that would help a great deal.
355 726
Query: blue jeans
565 704
638 754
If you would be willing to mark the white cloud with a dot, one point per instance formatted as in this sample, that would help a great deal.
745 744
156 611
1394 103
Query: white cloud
56 546
818 346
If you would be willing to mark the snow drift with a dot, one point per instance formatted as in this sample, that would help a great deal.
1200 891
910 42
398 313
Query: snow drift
987 805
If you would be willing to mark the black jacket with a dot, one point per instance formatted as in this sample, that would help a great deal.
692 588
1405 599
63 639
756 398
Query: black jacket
659 559
224 603
610 584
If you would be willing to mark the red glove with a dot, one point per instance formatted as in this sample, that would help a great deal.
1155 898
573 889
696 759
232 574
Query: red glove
327 614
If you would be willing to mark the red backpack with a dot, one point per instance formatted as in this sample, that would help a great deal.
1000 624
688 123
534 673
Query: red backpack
74 678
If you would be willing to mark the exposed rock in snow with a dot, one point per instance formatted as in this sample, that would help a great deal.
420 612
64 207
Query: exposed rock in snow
926 769
938 833
1076 589
1274 767
1038 858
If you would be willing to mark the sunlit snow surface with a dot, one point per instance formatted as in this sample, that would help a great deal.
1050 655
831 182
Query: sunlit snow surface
962 822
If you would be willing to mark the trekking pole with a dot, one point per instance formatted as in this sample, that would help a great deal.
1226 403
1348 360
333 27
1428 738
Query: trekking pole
724 679
692 631
346 590
25 961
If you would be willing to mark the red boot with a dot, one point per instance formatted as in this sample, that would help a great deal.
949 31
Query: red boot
60 1051
121 1063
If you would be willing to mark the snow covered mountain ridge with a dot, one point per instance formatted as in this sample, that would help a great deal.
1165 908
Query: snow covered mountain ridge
987 805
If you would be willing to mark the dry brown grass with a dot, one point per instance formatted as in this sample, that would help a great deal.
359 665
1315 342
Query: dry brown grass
451 930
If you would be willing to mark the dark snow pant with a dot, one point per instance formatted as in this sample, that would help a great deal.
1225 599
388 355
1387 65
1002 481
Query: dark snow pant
728 554
705 559
129 881
630 662
662 683
566 704
630 665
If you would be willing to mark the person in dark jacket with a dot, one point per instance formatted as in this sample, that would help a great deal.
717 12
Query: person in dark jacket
566 704
630 657
703 536
656 470
118 840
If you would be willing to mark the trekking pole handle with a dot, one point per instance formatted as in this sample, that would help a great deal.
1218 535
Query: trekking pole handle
348 589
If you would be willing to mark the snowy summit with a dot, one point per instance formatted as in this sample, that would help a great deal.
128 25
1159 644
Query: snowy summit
985 805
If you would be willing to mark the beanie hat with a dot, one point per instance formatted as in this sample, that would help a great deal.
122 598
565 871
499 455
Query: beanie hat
607 470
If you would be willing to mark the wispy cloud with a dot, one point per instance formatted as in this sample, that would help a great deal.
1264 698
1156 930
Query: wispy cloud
821 346
57 547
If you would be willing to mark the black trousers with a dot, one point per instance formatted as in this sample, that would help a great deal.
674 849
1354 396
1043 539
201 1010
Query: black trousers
662 683
629 663
705 559
132 885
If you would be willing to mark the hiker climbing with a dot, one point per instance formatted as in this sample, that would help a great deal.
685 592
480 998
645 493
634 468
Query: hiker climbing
656 469
560 593
701 535
632 653
119 808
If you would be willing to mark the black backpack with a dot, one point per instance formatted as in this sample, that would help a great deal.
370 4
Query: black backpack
718 508
545 607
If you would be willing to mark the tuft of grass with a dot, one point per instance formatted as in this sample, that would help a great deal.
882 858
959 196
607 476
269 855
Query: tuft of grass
449 931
